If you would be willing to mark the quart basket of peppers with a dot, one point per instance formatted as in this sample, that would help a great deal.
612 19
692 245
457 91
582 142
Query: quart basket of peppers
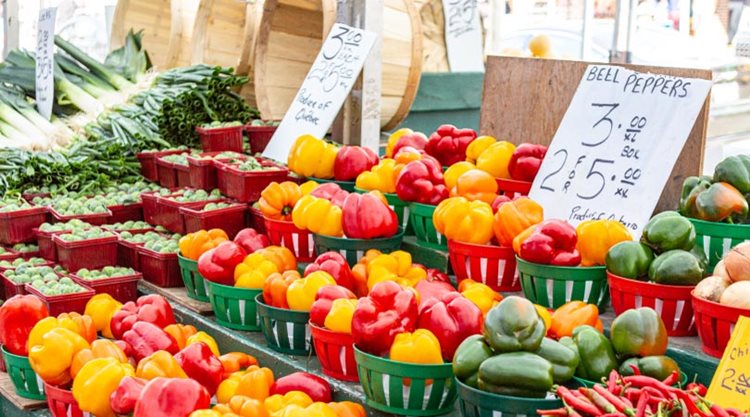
192 246
277 201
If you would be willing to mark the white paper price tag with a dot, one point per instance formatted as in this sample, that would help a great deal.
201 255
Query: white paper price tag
45 49
463 35
324 90
616 145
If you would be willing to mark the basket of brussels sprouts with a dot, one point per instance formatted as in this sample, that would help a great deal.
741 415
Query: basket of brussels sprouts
158 261
18 219
168 207
173 170
61 296
202 169
148 162
15 263
7 254
26 250
118 281
90 248
244 178
91 210
47 249
127 247
132 226
14 280
221 136
260 133
229 217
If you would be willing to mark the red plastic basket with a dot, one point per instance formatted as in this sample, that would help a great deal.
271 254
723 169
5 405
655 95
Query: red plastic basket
29 196
124 212
513 188
47 249
122 289
11 288
183 175
246 187
168 213
299 241
231 219
203 171
10 254
672 302
18 226
167 173
61 403
148 162
219 139
96 219
715 323
257 221
492 265
127 254
64 303
162 269
29 255
90 253
148 202
336 353
259 136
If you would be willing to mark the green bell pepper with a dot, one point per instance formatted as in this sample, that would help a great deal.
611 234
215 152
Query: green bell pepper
596 354
736 171
520 374
564 360
629 259
639 332
514 325
668 230
714 202
676 267
468 357
659 367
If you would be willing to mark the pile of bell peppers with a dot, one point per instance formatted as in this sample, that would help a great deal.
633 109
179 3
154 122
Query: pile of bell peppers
721 197
504 160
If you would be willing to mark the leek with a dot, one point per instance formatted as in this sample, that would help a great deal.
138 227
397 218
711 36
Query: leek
116 80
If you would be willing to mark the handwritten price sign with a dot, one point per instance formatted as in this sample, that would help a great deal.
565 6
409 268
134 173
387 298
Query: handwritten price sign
730 386
617 145
324 89
45 48
463 35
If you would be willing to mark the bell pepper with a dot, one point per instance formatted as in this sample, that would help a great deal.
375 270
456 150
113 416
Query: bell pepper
150 308
146 338
100 348
519 374
217 265
239 406
421 346
352 161
251 240
335 264
525 161
348 409
332 192
276 286
715 202
629 259
513 217
301 293
477 146
381 177
253 382
368 216
422 182
676 267
564 360
513 325
201 364
203 337
359 273
101 308
314 386
395 266
480 294
474 185
596 237
278 402
52 357
639 332
281 256
324 301
597 359
81 324
159 364
431 287
668 230
123 399
236 361
96 382
48 323
318 215
451 318
416 140
314 410
734 170
496 158
388 310
339 318
545 315
464 221
171 397
253 271
312 157
278 199
394 137
551 242
469 356
181 333
571 315
448 144
18 315
193 245
659 367
455 171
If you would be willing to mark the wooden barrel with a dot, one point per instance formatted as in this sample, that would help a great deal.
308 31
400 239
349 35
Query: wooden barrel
223 33
290 36
433 36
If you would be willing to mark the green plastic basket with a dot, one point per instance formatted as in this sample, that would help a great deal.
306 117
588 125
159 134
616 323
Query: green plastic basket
25 380
345 185
552 286
286 331
716 239
234 307
354 249
401 388
477 403
400 207
420 219
197 287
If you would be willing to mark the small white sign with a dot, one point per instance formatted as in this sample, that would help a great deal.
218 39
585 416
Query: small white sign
616 145
45 50
324 90
463 35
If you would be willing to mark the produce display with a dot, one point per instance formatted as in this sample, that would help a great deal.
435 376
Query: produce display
28 274
25 247
129 225
57 287
69 226
106 272
253 164
193 196
7 206
162 244
19 262
85 234
177 159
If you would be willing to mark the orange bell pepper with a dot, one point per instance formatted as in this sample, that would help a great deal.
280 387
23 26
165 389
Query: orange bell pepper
348 409
101 308
395 266
359 273
278 402
254 382
159 364
514 217
100 348
464 221
571 315
477 146
475 184
241 406
193 245
253 271
454 171
301 293
83 323
281 256
205 338
480 294
181 333
405 156
276 286
278 199
595 237
236 361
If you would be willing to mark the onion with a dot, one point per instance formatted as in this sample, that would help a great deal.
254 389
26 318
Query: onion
737 295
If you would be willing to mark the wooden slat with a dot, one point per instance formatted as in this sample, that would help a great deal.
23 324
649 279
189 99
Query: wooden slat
8 391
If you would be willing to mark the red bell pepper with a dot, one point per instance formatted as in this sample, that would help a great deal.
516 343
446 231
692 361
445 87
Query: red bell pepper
123 399
323 301
525 161
335 264
152 308
388 310
422 182
353 160
448 144
250 240
499 201
451 318
171 397
316 387
217 265
18 315
553 242
331 192
368 216
414 140
145 338
433 288
434 274
199 363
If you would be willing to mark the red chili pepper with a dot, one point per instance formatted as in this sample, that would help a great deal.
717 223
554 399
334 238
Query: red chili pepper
672 379
718 411
571 400
735 412
697 388
655 393
640 409
635 369
560 412
613 415
599 401
690 403
572 412
613 399
645 381
612 381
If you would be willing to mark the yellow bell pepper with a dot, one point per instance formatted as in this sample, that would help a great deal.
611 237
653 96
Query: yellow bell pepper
312 157
276 403
339 318
477 146
301 293
211 413
395 266
494 160
381 177
464 221
545 315
421 346
101 308
181 333
514 217
239 406
314 410
595 237
456 170
205 338
100 348
253 271
318 215
80 325
159 364
253 382
52 357
480 294
96 382
393 139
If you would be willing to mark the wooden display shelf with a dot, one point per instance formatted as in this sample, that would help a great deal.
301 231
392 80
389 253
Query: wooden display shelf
12 405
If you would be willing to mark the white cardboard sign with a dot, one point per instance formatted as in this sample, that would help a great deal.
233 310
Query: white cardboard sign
616 145
463 35
45 49
324 89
